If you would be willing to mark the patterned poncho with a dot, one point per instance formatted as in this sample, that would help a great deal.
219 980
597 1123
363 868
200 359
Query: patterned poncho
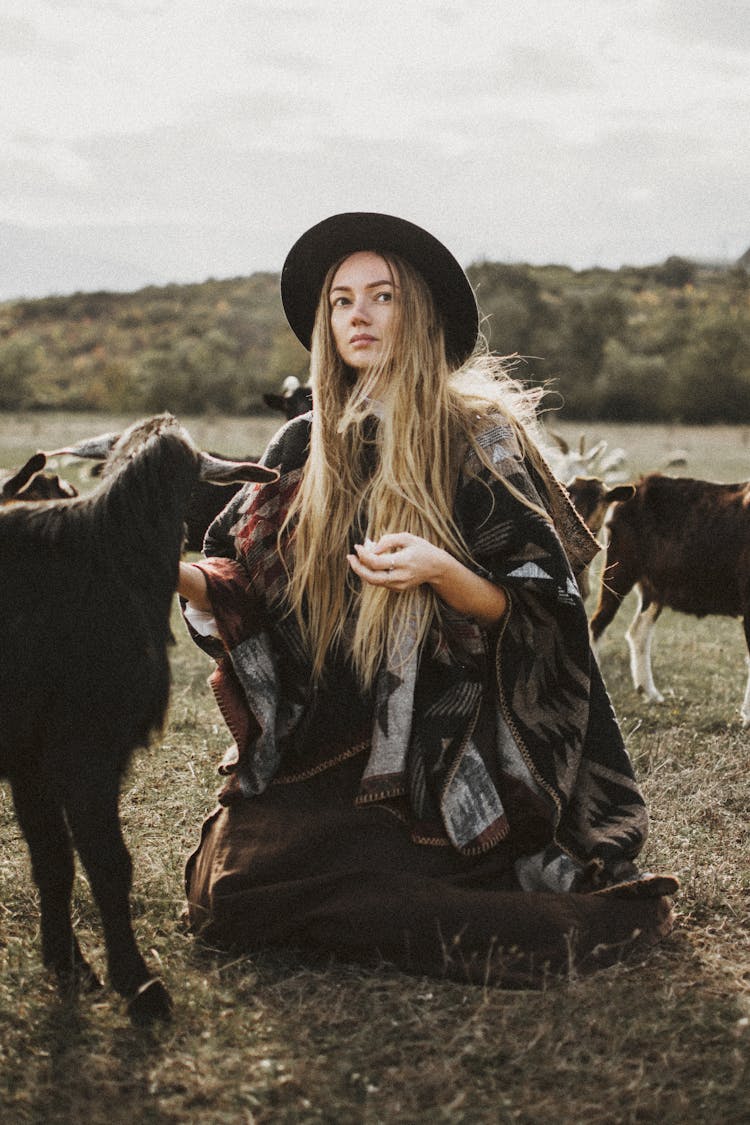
481 736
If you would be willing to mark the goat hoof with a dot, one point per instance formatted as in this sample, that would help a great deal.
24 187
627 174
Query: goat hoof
151 1002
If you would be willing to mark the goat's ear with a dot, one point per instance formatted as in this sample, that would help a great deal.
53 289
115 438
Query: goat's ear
216 470
94 449
620 492
27 472
276 402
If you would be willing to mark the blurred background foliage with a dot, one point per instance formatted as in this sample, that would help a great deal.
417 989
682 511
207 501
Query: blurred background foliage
669 342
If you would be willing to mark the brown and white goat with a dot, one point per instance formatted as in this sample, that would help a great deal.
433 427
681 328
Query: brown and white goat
684 544
592 500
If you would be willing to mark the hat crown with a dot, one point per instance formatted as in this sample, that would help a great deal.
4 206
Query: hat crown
326 243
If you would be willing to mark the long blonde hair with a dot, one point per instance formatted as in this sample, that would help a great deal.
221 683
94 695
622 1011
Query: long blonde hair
427 416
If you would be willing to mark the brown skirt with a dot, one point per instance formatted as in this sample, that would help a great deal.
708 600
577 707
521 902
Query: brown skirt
301 866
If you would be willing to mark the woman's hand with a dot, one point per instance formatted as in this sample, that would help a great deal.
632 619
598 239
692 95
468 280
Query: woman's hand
401 561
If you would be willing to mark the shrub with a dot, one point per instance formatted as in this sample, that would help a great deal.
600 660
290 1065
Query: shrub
19 361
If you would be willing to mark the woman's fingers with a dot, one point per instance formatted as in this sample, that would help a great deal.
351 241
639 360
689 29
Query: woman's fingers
399 561
370 565
396 543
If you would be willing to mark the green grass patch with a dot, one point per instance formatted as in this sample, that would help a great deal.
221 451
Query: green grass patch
277 1038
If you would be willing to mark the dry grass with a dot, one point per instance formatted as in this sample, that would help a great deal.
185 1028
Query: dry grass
275 1038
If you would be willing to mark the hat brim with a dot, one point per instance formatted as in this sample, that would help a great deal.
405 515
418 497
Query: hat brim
312 255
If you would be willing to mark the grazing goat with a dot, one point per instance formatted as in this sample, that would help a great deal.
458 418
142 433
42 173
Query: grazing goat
568 463
31 483
294 399
86 590
685 544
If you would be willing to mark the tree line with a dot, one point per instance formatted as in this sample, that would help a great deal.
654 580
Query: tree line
669 342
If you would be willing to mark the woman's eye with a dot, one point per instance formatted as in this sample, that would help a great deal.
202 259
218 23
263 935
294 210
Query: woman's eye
339 302
384 297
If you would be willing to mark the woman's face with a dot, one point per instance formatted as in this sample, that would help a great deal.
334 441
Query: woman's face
362 299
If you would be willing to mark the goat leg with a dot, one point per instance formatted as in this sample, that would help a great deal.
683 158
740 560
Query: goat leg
43 825
745 709
94 821
639 637
615 584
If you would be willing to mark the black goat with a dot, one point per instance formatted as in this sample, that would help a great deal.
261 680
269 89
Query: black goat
294 399
86 590
31 483
207 501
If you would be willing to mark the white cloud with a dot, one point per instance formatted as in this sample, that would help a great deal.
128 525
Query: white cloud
723 22
565 129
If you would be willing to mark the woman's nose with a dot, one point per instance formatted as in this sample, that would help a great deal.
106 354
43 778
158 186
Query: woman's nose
359 311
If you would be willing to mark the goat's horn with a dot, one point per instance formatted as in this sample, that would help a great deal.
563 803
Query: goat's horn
219 471
94 449
559 441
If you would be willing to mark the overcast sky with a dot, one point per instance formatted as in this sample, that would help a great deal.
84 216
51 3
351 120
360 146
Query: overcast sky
148 141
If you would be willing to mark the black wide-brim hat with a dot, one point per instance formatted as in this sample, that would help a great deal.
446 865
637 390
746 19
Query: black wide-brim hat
312 255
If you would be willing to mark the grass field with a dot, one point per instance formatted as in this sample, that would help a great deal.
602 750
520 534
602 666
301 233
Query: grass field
273 1038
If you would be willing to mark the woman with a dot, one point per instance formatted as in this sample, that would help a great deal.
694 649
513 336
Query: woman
426 765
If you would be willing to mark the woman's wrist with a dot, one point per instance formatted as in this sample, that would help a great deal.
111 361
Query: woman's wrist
467 592
192 586
448 572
